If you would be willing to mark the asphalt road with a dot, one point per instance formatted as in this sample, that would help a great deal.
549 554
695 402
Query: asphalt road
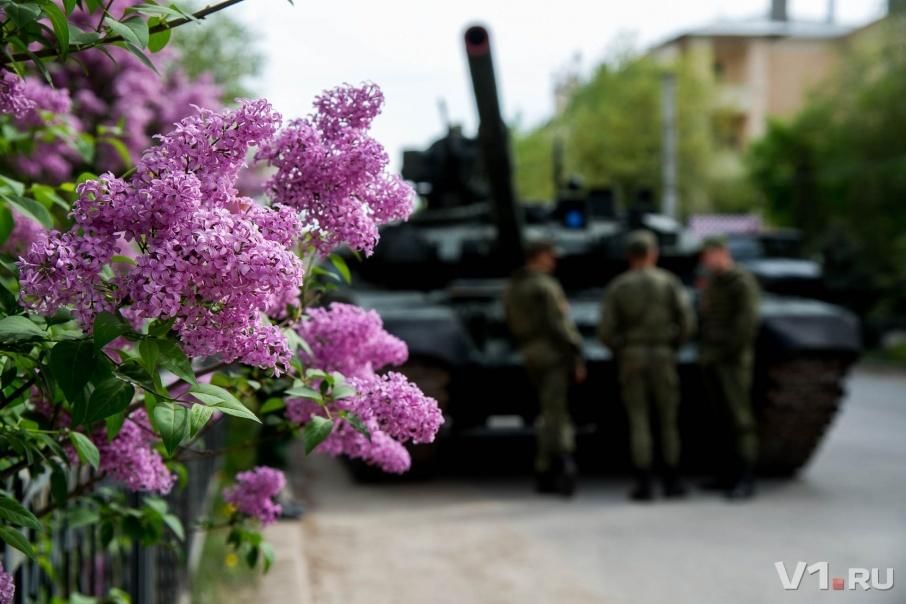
465 541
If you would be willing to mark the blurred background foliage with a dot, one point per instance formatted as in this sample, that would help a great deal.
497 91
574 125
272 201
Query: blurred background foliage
224 47
837 171
610 130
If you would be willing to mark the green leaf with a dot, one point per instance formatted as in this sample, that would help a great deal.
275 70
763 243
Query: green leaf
6 224
48 196
340 264
14 538
133 371
150 354
22 14
108 327
222 400
172 423
175 525
174 360
68 5
199 416
159 328
19 329
60 25
72 364
268 553
114 424
14 185
88 453
126 31
12 512
356 422
271 405
159 39
82 517
59 484
110 397
30 208
80 37
305 392
135 50
341 391
315 431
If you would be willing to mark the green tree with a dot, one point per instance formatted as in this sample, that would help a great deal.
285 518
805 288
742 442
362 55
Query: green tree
838 169
611 132
225 48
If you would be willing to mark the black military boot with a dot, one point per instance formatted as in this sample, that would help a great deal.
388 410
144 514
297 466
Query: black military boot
565 480
643 489
674 488
743 486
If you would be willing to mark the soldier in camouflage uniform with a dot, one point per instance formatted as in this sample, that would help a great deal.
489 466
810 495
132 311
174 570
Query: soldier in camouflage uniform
538 318
729 324
645 317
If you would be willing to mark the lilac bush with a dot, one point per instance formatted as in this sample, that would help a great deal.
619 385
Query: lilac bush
330 169
389 409
163 299
7 586
254 492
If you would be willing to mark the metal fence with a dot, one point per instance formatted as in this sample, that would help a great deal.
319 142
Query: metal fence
150 575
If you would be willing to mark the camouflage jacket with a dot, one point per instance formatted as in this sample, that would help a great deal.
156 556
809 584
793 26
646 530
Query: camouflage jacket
645 307
729 315
538 317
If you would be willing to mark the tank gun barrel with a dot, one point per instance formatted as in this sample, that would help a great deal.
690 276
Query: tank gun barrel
495 149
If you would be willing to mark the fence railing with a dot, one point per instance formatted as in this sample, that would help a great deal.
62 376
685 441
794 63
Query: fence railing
79 564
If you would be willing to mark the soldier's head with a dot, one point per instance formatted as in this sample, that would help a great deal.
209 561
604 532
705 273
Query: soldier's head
715 255
541 255
641 249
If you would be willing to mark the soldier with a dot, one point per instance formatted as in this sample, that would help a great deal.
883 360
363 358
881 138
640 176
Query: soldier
538 317
729 323
645 317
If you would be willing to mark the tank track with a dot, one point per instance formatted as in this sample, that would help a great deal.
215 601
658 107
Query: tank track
797 403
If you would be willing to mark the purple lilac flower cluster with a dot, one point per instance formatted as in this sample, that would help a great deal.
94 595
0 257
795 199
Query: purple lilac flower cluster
210 259
26 232
254 492
130 459
330 169
111 90
7 586
50 160
351 340
12 96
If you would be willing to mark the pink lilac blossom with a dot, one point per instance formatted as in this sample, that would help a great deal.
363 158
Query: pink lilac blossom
331 170
50 160
26 231
350 340
254 492
130 459
378 449
113 92
353 341
212 260
7 586
12 97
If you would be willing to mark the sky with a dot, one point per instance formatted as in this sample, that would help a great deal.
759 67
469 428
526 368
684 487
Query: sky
413 49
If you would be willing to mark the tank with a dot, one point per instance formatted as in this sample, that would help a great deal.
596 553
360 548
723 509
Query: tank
437 280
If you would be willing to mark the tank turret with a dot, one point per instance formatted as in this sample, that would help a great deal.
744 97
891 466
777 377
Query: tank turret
495 146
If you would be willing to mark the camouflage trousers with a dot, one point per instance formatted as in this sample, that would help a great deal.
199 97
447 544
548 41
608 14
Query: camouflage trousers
648 380
728 385
554 428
